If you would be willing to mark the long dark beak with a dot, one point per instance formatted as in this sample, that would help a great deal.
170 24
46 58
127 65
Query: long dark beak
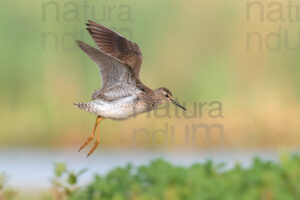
177 104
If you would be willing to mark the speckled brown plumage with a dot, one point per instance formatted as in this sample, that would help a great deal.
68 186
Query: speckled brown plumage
122 94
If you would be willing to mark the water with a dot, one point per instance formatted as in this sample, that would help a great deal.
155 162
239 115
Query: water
32 168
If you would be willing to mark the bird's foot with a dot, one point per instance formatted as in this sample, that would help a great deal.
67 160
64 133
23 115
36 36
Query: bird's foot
89 139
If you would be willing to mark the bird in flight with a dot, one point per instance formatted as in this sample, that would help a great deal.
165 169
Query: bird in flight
122 94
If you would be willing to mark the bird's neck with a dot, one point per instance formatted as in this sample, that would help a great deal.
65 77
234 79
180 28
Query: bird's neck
157 98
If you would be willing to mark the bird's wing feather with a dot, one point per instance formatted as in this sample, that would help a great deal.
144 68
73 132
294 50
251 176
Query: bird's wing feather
116 46
117 78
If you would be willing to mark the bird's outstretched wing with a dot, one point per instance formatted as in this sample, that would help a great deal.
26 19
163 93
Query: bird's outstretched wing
117 77
116 46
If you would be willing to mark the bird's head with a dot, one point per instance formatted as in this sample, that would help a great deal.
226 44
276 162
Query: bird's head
163 95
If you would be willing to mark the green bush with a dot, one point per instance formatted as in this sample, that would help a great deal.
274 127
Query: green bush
5 193
264 180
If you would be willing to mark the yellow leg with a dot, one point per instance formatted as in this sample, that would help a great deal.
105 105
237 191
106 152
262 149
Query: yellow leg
98 120
96 142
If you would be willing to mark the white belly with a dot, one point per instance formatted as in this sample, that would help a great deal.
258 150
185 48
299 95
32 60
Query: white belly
120 109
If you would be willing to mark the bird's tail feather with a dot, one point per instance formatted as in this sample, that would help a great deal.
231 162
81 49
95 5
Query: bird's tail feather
85 106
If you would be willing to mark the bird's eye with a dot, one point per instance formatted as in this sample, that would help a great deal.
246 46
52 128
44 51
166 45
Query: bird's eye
166 95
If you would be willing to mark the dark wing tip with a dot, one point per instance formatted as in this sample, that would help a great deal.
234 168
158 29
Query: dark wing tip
85 47
90 21
79 43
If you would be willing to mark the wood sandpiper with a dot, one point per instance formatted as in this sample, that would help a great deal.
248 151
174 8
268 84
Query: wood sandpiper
122 94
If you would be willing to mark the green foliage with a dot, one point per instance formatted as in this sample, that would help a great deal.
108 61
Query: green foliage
159 180
5 193
65 181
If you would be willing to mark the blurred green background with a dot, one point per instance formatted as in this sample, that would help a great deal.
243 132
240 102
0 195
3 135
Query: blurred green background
242 54
197 49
